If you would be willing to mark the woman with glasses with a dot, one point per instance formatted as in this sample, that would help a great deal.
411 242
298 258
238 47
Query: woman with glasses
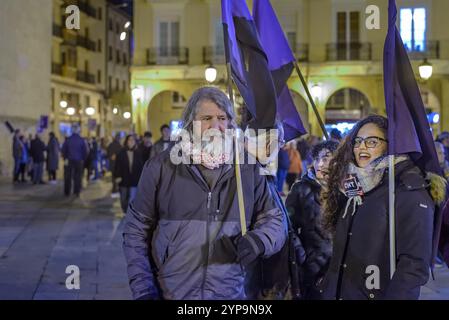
356 213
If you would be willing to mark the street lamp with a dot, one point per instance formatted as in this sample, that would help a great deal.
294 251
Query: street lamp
71 111
127 24
63 104
127 115
123 36
137 93
316 91
210 74
425 70
115 110
90 111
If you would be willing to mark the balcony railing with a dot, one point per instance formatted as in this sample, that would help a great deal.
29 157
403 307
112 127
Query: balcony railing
85 77
85 43
430 50
214 55
347 51
56 68
301 52
57 30
167 56
69 37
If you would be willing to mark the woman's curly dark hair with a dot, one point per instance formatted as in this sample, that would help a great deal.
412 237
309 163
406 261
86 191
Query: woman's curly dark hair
338 168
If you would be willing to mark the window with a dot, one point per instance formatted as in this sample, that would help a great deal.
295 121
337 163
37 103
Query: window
100 14
169 38
110 53
111 25
291 38
99 76
348 35
117 28
412 26
124 85
87 101
110 84
117 85
125 61
99 45
117 54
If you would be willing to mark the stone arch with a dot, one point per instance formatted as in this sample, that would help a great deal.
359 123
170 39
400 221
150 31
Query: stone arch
347 103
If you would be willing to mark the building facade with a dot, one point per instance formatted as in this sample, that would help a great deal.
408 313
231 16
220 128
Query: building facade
340 57
25 48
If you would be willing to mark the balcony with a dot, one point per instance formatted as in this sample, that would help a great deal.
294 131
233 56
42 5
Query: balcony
57 30
85 43
301 52
430 50
56 68
348 51
69 37
214 55
167 56
85 77
69 71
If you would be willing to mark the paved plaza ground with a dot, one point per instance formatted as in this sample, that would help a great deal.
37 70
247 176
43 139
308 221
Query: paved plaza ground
42 232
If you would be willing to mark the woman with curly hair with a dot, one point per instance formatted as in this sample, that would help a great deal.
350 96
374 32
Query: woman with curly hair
356 213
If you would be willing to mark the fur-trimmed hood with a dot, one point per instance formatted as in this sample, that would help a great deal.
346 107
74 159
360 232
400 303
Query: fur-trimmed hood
438 187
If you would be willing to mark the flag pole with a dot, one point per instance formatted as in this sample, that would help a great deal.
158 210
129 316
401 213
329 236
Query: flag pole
238 176
391 215
315 110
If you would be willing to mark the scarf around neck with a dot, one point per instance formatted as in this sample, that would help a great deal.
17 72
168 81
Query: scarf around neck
366 179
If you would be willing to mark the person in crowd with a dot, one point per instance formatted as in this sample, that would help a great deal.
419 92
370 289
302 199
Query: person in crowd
163 143
37 152
295 169
53 150
335 135
145 146
304 206
24 159
188 213
356 213
443 137
283 166
444 164
74 152
17 154
112 151
128 168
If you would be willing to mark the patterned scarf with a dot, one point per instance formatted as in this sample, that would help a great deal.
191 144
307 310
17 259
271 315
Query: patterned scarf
368 178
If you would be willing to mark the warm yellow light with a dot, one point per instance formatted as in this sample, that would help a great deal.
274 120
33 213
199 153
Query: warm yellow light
123 36
115 110
210 74
90 111
127 24
127 115
63 104
316 91
70 111
425 70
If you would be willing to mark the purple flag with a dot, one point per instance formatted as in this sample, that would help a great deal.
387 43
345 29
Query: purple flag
408 128
281 63
249 64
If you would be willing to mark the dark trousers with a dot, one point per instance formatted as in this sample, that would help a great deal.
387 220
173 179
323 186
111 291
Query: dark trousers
127 194
281 175
22 169
51 175
38 171
73 172
291 178
16 169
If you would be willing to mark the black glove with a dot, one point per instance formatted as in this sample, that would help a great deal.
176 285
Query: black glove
249 248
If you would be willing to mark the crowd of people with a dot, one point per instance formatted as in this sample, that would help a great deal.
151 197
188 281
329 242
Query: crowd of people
86 156
184 239
316 227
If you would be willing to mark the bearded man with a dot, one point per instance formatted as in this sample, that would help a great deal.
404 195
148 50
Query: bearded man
182 235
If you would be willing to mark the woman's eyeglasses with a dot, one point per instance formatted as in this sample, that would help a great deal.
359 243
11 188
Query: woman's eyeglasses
370 142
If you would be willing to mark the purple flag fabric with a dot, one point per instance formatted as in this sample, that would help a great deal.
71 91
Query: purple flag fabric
249 64
281 63
408 128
